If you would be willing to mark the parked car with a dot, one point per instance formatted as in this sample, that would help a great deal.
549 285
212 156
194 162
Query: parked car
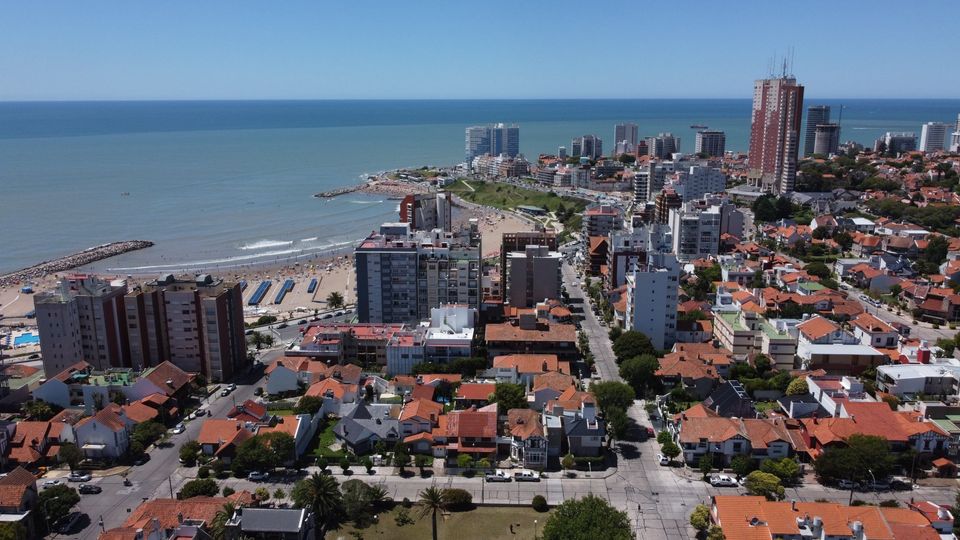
51 483
232 387
90 489
199 412
67 523
498 476
257 476
879 485
282 325
78 476
225 392
302 321
847 484
663 459
526 476
722 480
179 428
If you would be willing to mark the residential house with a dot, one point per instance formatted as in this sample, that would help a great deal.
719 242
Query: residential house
473 395
910 381
363 343
419 416
105 435
528 441
823 344
300 427
471 431
697 376
531 335
18 499
220 437
546 387
362 425
831 392
166 516
871 331
726 438
690 331
250 411
271 524
292 373
522 368
333 393
730 400
747 333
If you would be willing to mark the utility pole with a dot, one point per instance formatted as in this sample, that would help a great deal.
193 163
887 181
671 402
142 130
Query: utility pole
170 484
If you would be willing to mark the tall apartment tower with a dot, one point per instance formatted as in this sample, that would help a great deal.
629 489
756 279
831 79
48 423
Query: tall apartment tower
533 275
933 136
427 211
82 319
626 134
826 139
589 146
402 274
713 143
775 132
196 324
652 298
955 137
663 146
495 140
816 115
519 241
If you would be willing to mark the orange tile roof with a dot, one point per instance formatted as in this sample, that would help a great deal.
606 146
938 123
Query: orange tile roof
530 363
524 423
421 408
545 332
817 327
472 423
338 389
14 486
169 512
556 381
169 378
475 391
678 364
870 324
138 412
106 417
217 431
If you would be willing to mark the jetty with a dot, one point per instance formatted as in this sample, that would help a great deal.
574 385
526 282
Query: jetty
62 264
339 191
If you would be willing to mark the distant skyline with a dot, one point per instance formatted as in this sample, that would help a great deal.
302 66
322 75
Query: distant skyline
302 49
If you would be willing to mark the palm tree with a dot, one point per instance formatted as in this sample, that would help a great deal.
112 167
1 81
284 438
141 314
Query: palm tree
218 529
432 499
335 300
323 492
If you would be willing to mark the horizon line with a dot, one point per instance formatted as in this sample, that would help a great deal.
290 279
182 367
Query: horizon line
248 100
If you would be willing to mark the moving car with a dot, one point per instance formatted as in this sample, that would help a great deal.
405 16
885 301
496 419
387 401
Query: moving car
90 489
722 480
78 476
282 325
179 428
225 392
302 321
526 476
232 387
879 485
498 476
257 476
847 484
663 459
51 483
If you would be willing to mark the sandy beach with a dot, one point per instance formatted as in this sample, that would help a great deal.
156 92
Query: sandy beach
333 274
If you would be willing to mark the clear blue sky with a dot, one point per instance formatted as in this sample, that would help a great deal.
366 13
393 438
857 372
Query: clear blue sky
305 49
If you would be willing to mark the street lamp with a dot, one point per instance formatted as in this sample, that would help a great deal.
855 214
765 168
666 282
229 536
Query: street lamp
534 529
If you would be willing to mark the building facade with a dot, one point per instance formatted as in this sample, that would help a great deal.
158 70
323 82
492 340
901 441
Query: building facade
826 139
712 143
652 298
775 133
663 146
533 275
625 135
588 146
933 136
816 115
494 140
427 211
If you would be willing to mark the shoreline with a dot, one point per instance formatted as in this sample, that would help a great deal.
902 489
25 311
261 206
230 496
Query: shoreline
72 261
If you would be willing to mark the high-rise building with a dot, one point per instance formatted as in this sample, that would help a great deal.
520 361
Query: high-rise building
696 232
629 248
897 142
648 181
652 298
589 146
668 199
775 132
518 241
713 143
196 324
427 211
816 115
627 135
533 275
826 139
663 146
697 181
494 140
933 136
82 319
600 219
955 137
402 274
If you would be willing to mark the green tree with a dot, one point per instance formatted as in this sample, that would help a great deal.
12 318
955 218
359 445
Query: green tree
631 344
401 459
670 450
13 531
764 484
70 454
262 494
218 528
254 455
627 158
432 501
345 464
700 518
764 210
56 502
797 387
189 451
664 437
335 300
716 533
260 340
308 405
855 461
568 462
741 465
361 500
282 445
618 423
321 494
421 461
612 394
40 410
508 396
279 494
640 372
205 487
464 461
147 433
588 518
785 469
818 269
705 464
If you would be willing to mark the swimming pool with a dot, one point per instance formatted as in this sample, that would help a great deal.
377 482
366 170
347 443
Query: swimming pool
26 338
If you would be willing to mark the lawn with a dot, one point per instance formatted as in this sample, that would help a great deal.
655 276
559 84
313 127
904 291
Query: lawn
323 441
508 196
482 523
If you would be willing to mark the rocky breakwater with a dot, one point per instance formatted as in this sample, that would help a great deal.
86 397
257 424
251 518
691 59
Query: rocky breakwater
72 261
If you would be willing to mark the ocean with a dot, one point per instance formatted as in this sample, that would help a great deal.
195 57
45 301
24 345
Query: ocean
220 184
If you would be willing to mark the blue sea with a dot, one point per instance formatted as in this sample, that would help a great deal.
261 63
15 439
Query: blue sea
217 184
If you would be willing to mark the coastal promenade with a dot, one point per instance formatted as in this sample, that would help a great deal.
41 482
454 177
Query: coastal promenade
71 261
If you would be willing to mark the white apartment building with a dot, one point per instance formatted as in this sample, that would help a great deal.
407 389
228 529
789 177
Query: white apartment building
652 298
696 233
446 337
933 136
650 180
955 137
697 181
911 380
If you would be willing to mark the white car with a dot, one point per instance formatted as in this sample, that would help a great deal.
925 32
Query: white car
498 476
663 459
79 477
526 476
722 480
179 428
257 476
51 483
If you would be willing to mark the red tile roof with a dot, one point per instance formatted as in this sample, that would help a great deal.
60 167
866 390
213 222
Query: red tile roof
472 423
475 391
